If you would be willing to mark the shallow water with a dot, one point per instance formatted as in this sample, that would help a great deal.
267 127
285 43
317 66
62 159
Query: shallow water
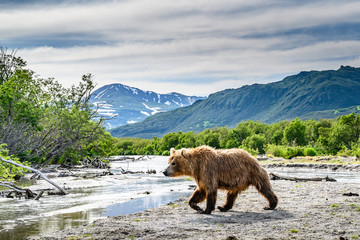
109 196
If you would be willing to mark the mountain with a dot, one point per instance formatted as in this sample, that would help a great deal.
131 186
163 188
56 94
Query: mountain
311 94
124 104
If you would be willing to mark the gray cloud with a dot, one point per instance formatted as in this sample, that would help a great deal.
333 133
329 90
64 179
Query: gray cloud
195 47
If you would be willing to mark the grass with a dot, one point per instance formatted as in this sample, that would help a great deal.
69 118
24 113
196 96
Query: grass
139 220
73 238
357 208
173 205
294 230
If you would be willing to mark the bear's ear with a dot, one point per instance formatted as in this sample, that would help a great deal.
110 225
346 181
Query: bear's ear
172 151
183 152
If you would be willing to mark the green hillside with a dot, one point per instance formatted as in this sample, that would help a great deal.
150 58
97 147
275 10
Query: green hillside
313 94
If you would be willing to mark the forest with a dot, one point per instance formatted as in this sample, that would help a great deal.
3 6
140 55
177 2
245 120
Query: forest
41 122
286 139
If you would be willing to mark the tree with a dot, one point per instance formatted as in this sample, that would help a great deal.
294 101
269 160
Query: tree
187 140
9 63
209 137
295 133
256 142
240 133
8 172
39 119
170 140
277 137
353 122
212 140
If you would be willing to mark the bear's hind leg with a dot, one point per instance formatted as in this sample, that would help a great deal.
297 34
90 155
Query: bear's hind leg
198 196
266 190
230 199
272 198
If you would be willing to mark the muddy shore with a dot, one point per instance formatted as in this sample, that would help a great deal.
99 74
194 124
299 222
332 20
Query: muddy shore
306 210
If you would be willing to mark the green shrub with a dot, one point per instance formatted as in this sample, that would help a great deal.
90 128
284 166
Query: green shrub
310 152
357 153
294 152
165 153
276 151
285 152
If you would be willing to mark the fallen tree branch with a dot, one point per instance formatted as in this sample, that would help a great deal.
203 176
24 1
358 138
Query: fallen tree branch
129 172
274 176
39 195
36 171
133 159
18 191
12 186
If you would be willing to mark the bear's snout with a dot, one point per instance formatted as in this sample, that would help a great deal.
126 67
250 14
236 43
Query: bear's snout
167 172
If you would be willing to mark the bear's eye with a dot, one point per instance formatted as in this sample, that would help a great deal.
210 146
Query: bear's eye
173 163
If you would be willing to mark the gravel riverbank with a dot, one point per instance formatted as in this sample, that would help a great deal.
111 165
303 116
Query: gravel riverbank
306 210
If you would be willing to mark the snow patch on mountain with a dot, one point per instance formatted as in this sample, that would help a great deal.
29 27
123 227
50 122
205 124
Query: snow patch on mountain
145 113
99 95
154 110
133 90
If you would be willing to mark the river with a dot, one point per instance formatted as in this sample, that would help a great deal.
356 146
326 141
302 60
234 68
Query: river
109 196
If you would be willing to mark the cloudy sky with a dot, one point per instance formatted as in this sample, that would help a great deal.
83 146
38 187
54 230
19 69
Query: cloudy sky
194 47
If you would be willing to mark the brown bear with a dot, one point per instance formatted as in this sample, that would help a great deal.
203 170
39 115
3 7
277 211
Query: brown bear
233 170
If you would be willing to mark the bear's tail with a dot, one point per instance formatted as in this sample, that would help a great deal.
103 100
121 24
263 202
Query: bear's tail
263 185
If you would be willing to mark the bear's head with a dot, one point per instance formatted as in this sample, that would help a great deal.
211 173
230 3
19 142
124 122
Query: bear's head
177 163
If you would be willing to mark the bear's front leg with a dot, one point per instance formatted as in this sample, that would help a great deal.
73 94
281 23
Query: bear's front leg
210 202
230 199
198 196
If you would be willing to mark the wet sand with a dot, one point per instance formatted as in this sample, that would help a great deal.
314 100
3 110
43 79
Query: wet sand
306 210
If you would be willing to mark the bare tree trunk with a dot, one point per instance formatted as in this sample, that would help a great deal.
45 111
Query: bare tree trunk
274 176
36 171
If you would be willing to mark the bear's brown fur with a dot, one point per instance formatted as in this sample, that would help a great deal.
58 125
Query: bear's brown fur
233 170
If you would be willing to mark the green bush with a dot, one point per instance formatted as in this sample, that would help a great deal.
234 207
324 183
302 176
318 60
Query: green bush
285 152
294 152
9 171
165 153
357 153
345 152
276 151
310 152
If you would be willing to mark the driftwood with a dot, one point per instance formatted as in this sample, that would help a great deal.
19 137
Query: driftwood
12 186
350 194
274 176
95 163
133 159
150 171
36 171
19 192
123 171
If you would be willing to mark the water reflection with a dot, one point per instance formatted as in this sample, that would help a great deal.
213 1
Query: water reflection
140 204
23 228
